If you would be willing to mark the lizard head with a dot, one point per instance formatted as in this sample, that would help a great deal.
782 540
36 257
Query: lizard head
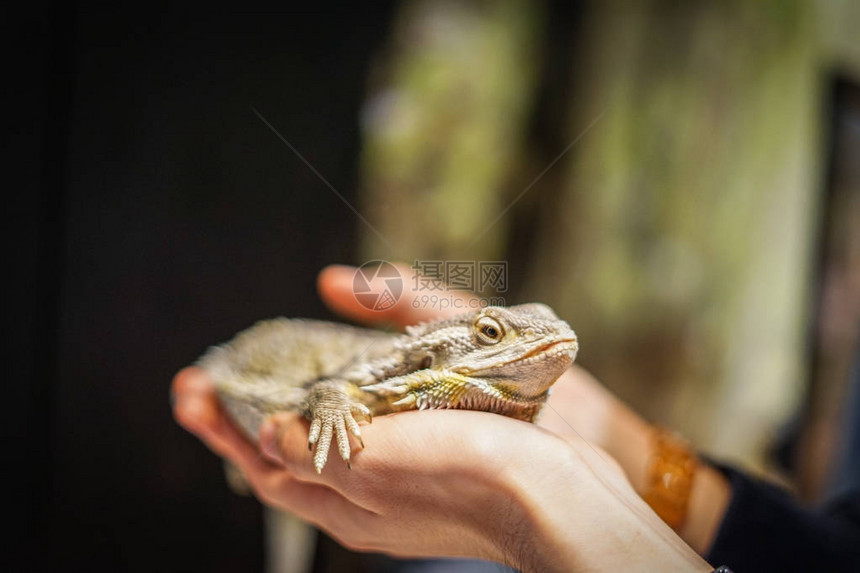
519 351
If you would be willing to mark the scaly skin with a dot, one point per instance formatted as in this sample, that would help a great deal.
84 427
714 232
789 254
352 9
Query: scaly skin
496 359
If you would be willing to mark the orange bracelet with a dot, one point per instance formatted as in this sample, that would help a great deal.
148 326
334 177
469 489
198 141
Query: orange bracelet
670 477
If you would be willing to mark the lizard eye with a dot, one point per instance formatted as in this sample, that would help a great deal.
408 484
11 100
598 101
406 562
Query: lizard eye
489 330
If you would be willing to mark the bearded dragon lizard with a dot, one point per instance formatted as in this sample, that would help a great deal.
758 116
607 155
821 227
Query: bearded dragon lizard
496 359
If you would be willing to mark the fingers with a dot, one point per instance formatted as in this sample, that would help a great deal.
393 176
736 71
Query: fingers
285 441
196 409
315 503
335 285
413 445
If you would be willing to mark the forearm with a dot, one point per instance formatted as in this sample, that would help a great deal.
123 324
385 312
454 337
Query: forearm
581 515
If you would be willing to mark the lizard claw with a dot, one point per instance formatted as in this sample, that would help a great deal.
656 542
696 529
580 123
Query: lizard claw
388 388
334 421
323 444
353 428
408 401
360 410
314 433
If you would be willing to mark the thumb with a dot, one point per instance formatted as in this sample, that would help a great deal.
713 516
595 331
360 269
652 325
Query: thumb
337 288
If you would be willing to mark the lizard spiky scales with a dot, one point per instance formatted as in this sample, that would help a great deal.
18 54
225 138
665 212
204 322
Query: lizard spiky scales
495 359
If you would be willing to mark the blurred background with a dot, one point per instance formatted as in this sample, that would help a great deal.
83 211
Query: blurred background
680 181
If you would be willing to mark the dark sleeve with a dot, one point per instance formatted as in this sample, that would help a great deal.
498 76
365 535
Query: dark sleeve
764 529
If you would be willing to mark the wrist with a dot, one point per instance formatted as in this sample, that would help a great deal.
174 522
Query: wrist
690 496
709 499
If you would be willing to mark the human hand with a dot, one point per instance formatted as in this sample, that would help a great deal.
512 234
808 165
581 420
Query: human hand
449 483
445 483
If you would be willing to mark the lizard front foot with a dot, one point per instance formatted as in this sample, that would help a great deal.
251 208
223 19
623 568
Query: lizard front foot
332 413
422 389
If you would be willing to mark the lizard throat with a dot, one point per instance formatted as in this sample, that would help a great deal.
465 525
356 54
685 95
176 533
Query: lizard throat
497 402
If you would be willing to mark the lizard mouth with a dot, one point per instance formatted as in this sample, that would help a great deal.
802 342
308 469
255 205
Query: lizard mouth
566 346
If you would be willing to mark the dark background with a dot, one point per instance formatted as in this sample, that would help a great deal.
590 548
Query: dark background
154 214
